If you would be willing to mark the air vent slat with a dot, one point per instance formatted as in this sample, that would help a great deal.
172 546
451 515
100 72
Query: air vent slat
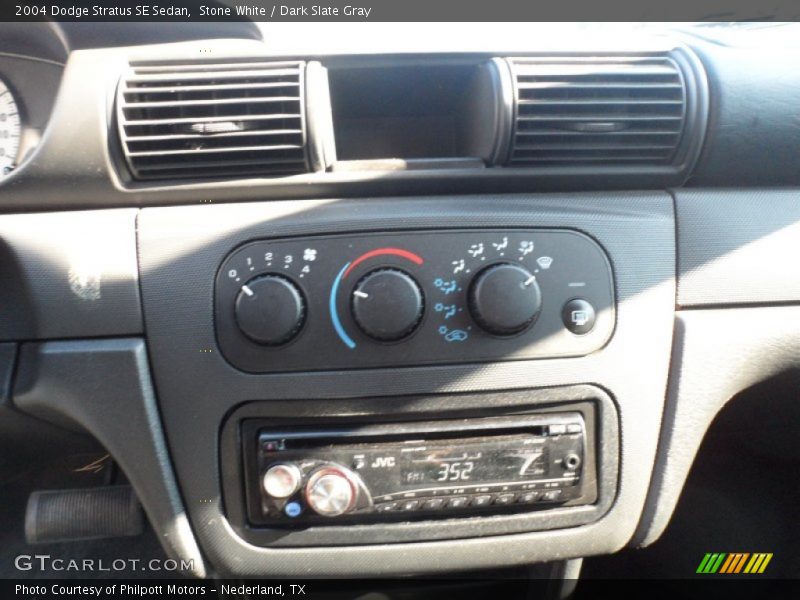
206 119
600 102
197 136
157 89
137 81
204 67
217 150
281 165
605 135
591 86
177 103
558 146
169 121
568 69
597 110
619 118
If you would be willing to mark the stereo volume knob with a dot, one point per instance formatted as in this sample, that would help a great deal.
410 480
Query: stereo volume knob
387 304
504 299
270 310
331 491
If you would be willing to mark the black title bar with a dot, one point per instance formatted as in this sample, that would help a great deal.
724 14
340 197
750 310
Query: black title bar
400 10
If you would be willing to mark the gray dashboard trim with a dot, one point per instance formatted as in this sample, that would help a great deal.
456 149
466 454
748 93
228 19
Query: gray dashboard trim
180 249
738 246
104 387
717 354
69 275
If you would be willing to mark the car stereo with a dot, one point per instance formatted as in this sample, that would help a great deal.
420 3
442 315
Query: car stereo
403 471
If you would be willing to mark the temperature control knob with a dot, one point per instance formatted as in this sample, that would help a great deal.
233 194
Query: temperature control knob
504 299
270 310
331 491
387 304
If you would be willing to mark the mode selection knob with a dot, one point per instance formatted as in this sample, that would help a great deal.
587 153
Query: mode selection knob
270 310
387 304
504 299
331 491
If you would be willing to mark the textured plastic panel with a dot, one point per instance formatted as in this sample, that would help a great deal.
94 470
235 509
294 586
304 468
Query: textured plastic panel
738 247
717 354
443 263
753 132
104 386
82 514
180 250
68 275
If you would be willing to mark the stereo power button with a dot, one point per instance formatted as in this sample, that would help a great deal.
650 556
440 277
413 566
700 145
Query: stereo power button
281 481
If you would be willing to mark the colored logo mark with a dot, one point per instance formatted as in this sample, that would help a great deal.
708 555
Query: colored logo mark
734 563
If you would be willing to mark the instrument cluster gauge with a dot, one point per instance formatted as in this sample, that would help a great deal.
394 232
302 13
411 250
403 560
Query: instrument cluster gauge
10 130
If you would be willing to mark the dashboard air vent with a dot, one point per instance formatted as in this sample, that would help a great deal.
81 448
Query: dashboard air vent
597 111
228 119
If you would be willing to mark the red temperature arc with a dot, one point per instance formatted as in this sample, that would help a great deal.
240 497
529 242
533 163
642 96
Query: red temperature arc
381 252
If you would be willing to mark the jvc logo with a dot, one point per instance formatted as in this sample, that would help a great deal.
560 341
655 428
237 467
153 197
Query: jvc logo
383 462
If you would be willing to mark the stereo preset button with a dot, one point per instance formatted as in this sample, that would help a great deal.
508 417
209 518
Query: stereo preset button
551 496
433 504
410 505
484 500
457 502
528 498
386 507
503 499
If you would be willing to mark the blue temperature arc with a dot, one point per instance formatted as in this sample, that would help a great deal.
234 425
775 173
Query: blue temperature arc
337 324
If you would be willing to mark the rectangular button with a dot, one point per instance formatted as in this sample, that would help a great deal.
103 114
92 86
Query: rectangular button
558 429
410 505
504 498
551 496
433 504
483 500
528 497
457 502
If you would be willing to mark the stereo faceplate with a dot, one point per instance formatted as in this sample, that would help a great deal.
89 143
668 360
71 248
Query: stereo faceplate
370 473
412 298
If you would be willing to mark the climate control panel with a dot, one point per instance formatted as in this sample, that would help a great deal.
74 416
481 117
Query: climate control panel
412 298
